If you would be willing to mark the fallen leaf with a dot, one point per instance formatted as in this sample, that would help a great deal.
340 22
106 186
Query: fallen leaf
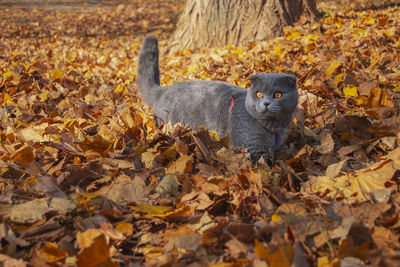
282 256
124 188
357 186
52 253
236 248
334 169
333 66
350 90
169 185
27 212
327 144
98 253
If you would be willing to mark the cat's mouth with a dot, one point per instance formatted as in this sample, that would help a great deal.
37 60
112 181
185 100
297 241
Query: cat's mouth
264 110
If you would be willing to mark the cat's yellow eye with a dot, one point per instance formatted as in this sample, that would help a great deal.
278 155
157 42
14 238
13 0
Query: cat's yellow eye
259 94
277 94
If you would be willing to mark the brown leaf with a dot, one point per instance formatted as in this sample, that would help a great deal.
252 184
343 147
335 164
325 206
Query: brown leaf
334 169
8 261
327 144
365 88
358 186
236 248
181 166
98 253
52 253
27 212
124 188
345 150
282 256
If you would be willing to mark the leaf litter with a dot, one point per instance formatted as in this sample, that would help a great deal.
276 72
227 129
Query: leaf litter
87 178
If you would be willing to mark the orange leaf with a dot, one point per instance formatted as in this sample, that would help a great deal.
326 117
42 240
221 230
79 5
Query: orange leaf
97 254
24 155
52 253
282 256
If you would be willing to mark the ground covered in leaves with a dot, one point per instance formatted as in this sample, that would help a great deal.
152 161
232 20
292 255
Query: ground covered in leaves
87 178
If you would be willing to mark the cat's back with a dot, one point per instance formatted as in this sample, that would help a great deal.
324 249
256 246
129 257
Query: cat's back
206 87
198 93
198 103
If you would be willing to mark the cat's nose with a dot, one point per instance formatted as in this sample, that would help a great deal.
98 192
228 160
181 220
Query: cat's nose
266 103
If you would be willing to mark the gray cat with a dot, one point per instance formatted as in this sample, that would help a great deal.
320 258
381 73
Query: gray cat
255 119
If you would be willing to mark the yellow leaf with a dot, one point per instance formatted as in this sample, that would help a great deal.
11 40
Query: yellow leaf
388 34
152 210
214 135
125 227
361 100
396 89
350 90
187 52
192 68
370 20
333 66
90 195
278 50
165 79
8 99
43 95
57 74
6 75
162 211
119 89
238 51
339 78
293 34
276 218
229 47
323 262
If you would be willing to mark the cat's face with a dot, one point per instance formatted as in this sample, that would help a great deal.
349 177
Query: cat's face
272 95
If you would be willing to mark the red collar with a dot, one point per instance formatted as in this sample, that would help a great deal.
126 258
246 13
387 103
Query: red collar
232 103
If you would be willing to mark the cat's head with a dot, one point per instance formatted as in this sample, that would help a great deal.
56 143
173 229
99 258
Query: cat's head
272 96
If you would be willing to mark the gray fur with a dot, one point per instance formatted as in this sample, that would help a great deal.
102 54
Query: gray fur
257 124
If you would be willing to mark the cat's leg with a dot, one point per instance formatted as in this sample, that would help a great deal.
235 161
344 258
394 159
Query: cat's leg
279 139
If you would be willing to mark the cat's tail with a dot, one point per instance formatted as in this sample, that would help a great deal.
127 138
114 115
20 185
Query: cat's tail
148 78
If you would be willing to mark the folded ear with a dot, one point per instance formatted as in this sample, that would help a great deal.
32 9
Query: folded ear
253 79
291 79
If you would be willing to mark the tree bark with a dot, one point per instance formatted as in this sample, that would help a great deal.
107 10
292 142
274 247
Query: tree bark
212 23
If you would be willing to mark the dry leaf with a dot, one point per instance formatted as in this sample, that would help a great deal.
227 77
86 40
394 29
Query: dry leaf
334 169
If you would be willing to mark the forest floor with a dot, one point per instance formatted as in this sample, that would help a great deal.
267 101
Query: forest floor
87 178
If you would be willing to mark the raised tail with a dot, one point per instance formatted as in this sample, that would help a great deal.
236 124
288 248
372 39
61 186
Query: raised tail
148 78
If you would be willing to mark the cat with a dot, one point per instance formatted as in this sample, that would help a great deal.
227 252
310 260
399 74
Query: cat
255 119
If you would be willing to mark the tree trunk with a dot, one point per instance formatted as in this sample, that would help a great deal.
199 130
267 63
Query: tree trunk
211 23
